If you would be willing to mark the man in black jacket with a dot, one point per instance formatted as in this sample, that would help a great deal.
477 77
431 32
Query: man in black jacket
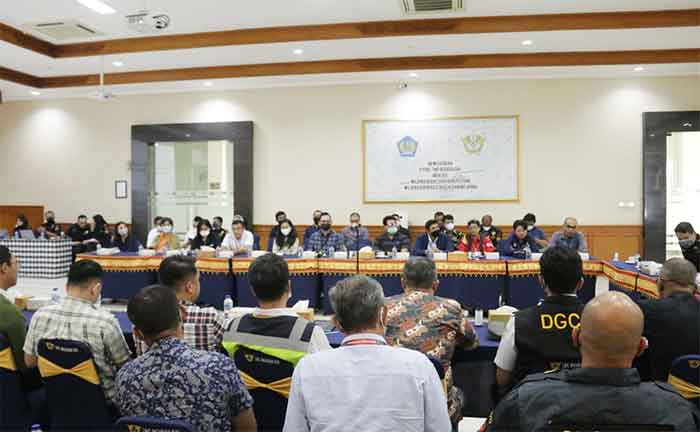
689 241
606 390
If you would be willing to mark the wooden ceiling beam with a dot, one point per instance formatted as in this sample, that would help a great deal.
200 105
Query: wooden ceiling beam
412 27
589 58
19 77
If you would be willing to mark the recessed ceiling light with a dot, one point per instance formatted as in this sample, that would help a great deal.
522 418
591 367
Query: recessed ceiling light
98 6
639 69
527 42
413 75
35 93
208 83
298 51
117 63
188 135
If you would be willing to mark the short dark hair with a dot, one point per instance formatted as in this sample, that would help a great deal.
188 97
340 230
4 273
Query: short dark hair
238 222
157 220
268 276
684 228
280 213
520 223
430 222
388 218
154 310
438 213
474 221
174 270
83 272
219 218
82 216
325 214
530 218
357 302
419 272
561 268
167 219
449 217
355 214
197 219
5 255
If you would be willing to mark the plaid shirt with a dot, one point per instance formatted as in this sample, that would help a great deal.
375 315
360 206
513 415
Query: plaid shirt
79 320
322 243
384 243
203 329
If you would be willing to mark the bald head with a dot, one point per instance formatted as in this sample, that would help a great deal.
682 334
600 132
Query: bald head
676 275
611 331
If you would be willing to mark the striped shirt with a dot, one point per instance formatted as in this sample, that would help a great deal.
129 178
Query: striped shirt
79 320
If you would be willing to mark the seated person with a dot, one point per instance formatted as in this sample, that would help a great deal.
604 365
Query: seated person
50 229
99 234
476 240
325 240
22 224
153 233
279 217
391 239
440 332
569 237
239 240
402 230
519 244
668 321
79 233
365 385
355 235
166 239
488 229
203 326
192 232
533 341
432 241
452 232
12 322
123 240
205 237
218 228
606 390
172 381
440 219
535 231
78 318
313 227
689 241
286 241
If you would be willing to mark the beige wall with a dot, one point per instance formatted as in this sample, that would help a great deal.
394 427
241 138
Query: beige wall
580 144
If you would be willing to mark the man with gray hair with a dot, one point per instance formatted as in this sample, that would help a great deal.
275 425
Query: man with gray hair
365 385
421 321
570 237
671 322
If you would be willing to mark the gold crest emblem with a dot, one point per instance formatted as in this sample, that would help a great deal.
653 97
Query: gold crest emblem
134 428
694 364
249 358
474 143
50 346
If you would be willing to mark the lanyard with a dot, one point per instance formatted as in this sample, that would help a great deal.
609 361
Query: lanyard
363 342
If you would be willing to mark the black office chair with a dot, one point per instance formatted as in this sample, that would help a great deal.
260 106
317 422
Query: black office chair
75 397
15 413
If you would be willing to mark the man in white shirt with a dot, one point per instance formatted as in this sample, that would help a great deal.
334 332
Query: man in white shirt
365 385
239 240
153 233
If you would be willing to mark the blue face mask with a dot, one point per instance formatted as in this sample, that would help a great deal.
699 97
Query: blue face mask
686 244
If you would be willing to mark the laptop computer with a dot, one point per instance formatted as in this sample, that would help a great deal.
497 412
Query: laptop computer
3 234
26 235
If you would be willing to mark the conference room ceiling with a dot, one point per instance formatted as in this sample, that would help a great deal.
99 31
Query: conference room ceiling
376 47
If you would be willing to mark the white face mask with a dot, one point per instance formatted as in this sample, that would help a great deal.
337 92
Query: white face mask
530 227
354 224
450 226
392 230
167 229
285 231
487 228
123 232
204 233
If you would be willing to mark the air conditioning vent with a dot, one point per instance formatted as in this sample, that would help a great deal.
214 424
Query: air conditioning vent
431 6
63 30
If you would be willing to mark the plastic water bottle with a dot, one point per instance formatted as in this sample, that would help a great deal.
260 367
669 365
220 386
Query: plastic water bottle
478 316
228 306
616 257
55 296
393 252
331 252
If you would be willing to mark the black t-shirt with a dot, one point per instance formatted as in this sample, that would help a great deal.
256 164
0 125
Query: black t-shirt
692 254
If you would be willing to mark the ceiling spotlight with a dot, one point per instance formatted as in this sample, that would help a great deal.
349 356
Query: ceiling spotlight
35 93
117 63
527 42
208 83
413 75
687 124
639 69
298 51
402 85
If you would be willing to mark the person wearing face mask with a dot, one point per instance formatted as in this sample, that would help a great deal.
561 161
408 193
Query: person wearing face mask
403 230
355 235
239 240
312 228
475 240
286 242
218 228
451 231
153 233
325 239
670 322
21 225
279 217
166 239
193 231
488 229
205 236
50 228
535 232
391 238
79 318
432 241
124 241
99 234
520 244
689 241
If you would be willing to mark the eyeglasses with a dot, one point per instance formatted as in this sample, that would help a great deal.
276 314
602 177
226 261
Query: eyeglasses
571 227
